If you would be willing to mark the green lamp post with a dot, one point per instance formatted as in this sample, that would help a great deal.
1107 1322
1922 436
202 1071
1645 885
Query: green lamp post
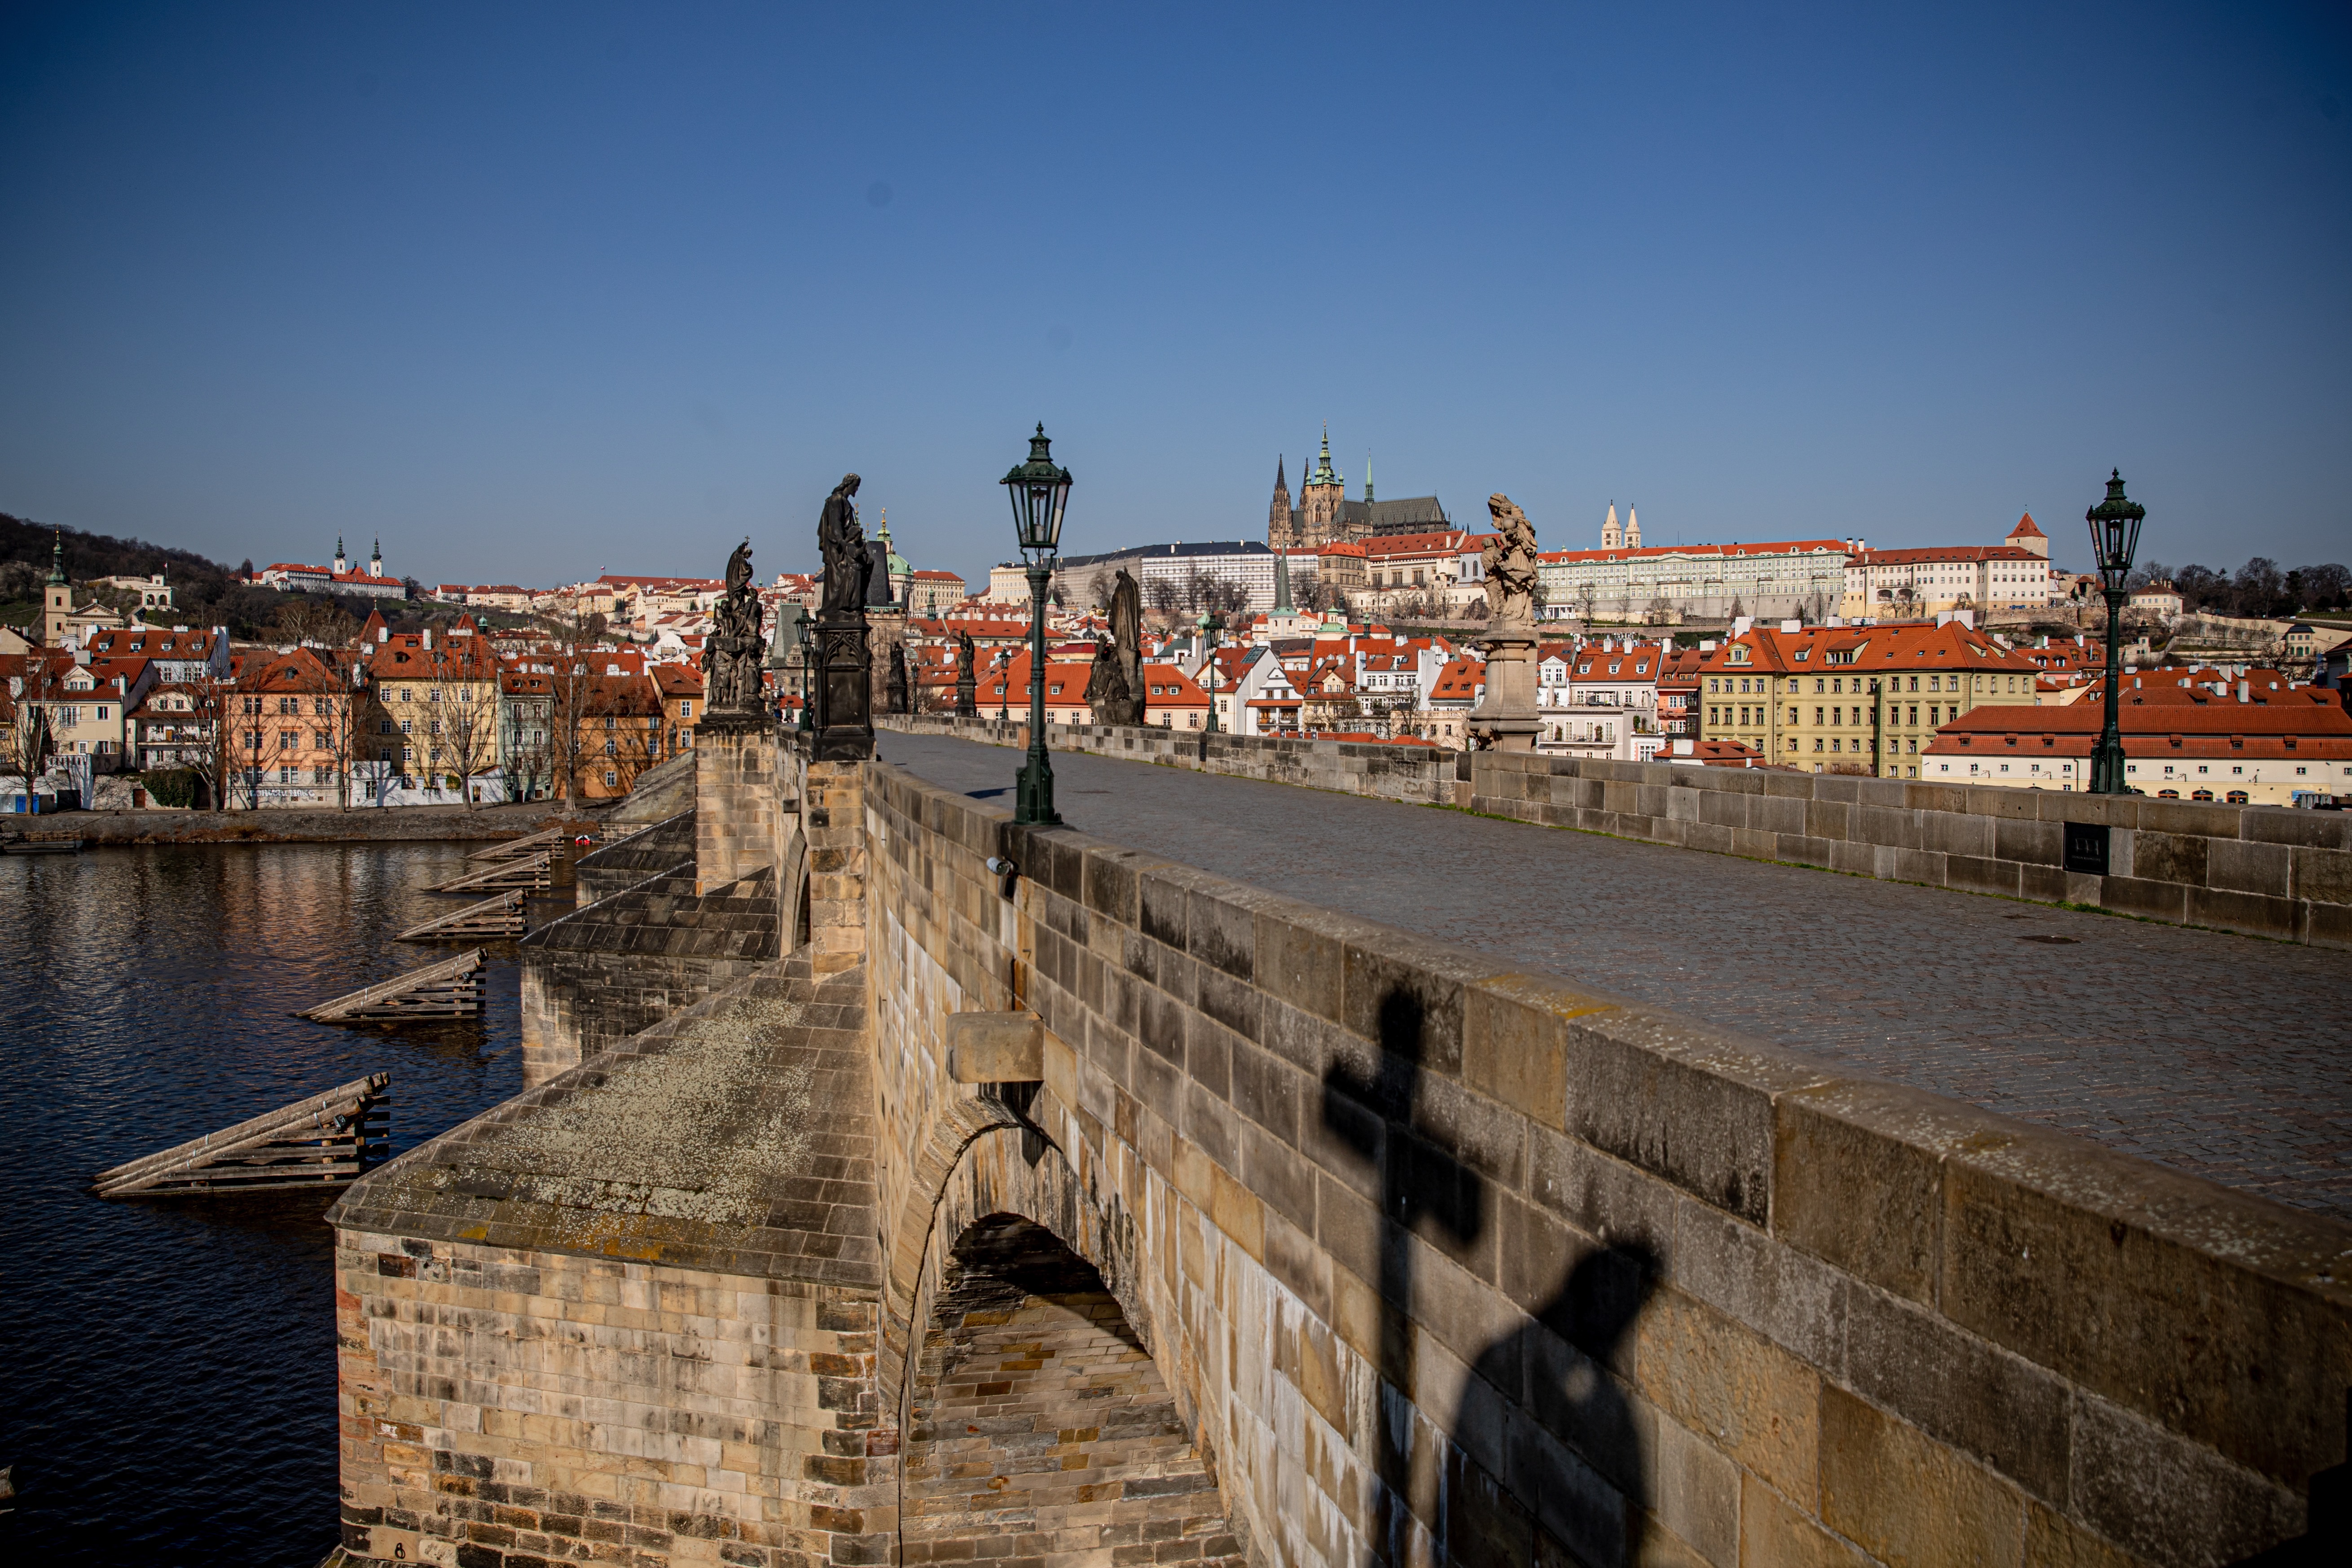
1040 491
1213 626
2115 540
808 683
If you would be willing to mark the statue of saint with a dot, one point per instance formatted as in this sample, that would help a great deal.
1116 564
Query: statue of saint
1127 619
967 681
842 544
1106 688
898 692
730 657
1510 564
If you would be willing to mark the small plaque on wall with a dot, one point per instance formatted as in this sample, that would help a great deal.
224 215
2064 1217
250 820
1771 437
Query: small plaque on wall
2086 848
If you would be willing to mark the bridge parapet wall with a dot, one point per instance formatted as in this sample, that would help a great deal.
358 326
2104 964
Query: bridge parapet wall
1448 1262
2263 871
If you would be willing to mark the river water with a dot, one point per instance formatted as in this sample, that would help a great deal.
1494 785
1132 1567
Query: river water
169 1366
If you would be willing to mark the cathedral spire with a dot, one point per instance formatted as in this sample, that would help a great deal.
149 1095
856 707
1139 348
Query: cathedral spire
1324 474
1612 537
1280 482
57 556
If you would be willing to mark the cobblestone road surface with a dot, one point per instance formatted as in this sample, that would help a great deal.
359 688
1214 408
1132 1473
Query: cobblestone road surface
2220 1055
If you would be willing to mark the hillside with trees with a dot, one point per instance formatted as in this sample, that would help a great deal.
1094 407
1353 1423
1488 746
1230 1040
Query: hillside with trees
204 591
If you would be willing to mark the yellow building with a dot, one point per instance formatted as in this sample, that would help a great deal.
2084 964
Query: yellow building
1860 700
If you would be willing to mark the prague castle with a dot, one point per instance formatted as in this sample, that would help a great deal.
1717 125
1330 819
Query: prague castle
1325 515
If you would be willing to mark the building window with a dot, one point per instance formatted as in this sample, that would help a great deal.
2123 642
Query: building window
611 778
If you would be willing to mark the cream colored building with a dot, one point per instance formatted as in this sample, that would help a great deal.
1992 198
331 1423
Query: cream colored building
1864 700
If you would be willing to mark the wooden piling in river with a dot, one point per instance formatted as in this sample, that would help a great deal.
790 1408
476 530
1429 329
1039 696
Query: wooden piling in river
323 1142
450 989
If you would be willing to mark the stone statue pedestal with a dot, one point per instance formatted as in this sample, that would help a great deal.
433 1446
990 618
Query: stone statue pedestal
842 691
885 634
1507 718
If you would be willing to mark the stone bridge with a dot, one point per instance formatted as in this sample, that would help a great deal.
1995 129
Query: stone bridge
899 1185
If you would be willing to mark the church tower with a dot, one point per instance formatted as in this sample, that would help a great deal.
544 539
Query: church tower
1277 511
1611 536
1633 528
1320 500
343 563
57 596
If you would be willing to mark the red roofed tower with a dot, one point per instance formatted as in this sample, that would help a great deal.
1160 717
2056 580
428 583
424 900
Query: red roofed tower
2027 536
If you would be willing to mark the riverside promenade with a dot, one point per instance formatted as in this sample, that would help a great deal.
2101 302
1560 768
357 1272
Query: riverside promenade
2224 1057
360 825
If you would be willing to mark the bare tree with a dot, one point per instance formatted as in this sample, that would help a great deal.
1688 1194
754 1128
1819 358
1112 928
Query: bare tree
630 707
570 640
461 725
30 691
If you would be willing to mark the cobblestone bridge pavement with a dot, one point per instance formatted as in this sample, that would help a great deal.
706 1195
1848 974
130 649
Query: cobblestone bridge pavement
2224 1055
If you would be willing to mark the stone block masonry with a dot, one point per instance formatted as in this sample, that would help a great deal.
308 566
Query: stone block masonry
599 974
626 862
2259 871
1444 1261
571 1330
737 798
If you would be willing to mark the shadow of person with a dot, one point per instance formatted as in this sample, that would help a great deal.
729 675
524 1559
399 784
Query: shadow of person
1566 1370
1563 1372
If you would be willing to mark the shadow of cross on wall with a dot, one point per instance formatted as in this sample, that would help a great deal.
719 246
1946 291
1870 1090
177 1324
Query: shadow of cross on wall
1544 1411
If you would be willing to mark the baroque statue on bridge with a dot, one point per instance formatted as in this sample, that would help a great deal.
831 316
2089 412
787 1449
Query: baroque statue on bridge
731 659
842 543
1122 703
1510 563
967 681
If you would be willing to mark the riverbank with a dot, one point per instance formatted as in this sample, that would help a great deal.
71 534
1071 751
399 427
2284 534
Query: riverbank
361 824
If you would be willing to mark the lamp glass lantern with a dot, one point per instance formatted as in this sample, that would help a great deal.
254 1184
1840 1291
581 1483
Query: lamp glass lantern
2115 533
1040 490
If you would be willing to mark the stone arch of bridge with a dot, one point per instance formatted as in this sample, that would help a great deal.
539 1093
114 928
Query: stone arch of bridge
792 894
1008 1259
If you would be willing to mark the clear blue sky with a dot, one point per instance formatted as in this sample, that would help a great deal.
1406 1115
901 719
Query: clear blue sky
536 292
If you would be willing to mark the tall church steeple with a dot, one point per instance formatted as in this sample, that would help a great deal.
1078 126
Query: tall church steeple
1368 478
1324 474
1277 511
1611 536
1633 528
1321 500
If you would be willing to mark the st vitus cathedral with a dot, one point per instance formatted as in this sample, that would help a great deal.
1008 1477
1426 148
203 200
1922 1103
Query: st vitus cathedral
1325 515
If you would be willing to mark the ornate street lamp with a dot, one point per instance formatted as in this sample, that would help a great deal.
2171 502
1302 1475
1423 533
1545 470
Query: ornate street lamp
808 685
1213 626
2115 540
1039 491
